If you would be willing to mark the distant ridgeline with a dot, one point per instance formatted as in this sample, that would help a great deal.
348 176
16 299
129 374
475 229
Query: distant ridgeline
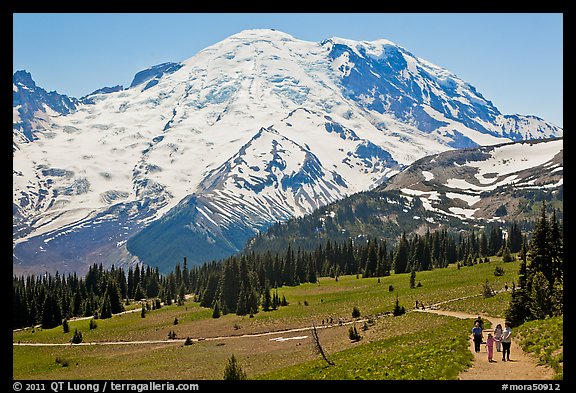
242 284
385 215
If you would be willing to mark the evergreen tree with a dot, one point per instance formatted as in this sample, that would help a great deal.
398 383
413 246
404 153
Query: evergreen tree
353 334
506 256
139 293
76 306
242 304
412 279
65 326
115 297
233 371
209 293
186 276
556 244
181 294
130 285
371 259
540 304
229 285
105 309
398 310
514 238
401 256
216 312
540 294
267 299
77 338
51 314
483 244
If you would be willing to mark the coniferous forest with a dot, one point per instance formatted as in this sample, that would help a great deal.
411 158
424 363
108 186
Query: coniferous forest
244 284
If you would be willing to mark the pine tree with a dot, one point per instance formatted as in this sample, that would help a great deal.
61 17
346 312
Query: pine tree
540 304
242 304
51 314
514 238
556 244
233 371
398 310
76 306
401 256
65 326
139 293
216 312
229 285
267 299
539 251
353 334
483 244
77 337
506 256
105 309
540 294
209 292
181 295
275 300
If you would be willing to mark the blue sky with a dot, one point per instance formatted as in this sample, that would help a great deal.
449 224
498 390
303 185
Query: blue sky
514 60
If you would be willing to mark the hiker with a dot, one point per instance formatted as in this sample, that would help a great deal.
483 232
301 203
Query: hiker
506 341
490 347
506 287
480 321
477 332
498 337
416 304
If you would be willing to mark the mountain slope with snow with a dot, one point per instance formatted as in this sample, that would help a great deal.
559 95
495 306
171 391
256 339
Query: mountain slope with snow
490 182
257 128
453 190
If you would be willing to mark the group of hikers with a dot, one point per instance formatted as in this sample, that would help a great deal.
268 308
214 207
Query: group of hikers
501 337
420 304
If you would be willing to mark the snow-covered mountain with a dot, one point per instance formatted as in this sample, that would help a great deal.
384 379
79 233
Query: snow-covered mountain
455 190
33 106
195 157
489 182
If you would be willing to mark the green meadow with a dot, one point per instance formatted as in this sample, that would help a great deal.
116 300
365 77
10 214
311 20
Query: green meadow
414 345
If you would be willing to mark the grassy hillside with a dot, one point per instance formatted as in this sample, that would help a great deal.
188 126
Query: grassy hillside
408 340
544 339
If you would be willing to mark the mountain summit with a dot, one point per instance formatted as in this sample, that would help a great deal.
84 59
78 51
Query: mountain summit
194 158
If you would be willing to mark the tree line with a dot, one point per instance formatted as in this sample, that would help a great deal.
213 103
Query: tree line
245 283
541 273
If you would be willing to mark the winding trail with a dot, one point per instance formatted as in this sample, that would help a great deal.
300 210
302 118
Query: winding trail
522 366
181 341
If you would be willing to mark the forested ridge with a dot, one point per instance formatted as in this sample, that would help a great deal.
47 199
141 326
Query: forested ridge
244 284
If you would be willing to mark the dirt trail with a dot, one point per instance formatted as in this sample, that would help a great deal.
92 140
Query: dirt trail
180 341
521 366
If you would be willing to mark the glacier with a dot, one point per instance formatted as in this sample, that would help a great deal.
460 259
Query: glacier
194 158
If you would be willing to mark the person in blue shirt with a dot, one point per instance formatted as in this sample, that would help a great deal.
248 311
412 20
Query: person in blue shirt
477 333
